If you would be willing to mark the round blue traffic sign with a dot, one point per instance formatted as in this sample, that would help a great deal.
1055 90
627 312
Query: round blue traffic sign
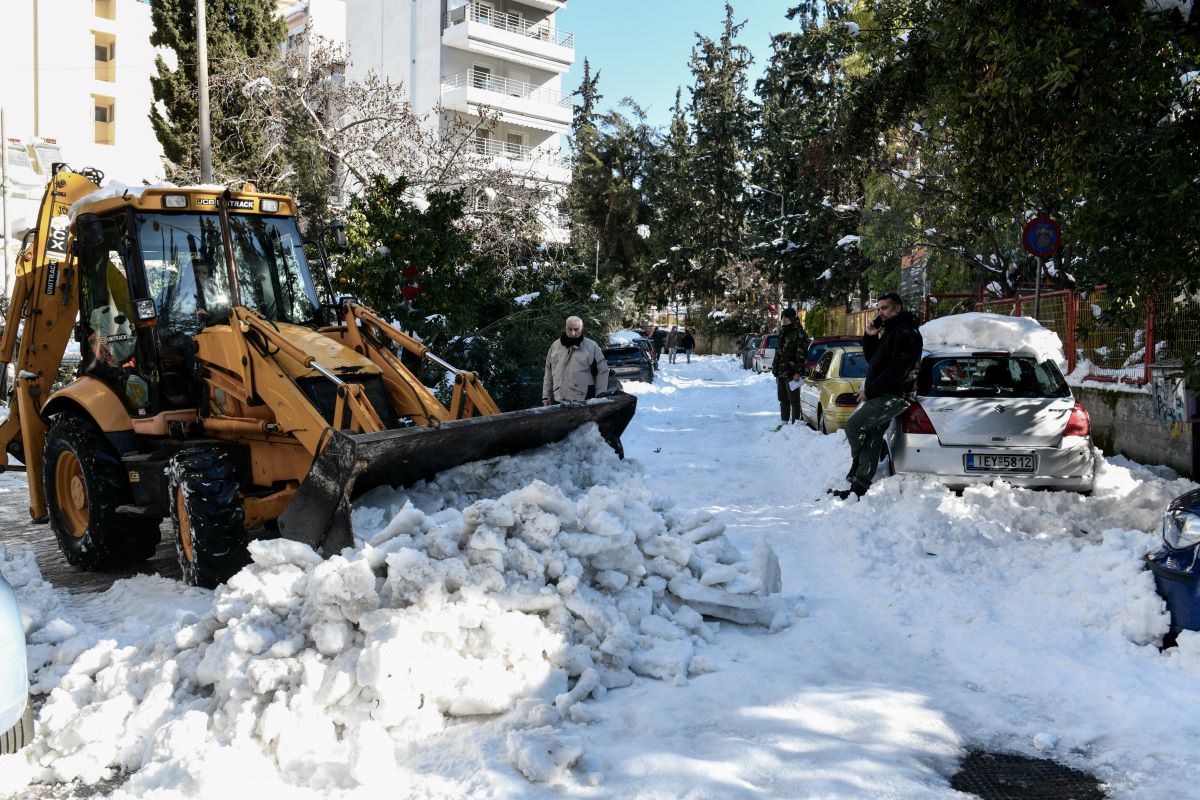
1041 237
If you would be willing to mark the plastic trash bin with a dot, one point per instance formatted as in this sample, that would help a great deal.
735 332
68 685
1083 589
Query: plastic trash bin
1177 578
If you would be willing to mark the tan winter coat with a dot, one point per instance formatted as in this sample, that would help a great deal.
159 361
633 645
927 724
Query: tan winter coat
569 371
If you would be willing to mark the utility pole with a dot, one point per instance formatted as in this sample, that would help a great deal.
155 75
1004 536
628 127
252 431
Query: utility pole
8 270
206 175
37 34
1037 293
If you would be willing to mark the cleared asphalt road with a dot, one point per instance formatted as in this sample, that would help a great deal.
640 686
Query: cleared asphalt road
18 533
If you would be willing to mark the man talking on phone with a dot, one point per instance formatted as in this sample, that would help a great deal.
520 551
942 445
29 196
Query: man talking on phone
892 347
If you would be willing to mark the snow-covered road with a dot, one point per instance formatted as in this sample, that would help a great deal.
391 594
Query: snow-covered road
432 660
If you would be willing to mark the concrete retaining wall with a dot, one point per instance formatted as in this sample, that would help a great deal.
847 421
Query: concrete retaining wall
1124 422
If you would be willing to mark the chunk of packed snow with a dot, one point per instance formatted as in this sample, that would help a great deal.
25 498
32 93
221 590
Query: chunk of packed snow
981 331
522 584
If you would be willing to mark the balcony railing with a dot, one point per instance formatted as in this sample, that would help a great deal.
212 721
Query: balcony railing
477 79
513 23
497 148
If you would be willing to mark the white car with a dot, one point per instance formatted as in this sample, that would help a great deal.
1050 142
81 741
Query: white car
16 713
983 416
766 352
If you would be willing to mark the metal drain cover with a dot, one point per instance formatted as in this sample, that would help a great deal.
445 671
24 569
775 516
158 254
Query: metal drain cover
1004 776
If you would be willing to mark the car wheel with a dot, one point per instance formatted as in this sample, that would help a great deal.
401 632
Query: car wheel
85 483
210 538
19 734
821 422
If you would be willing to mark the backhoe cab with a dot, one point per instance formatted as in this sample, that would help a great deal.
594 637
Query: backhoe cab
214 386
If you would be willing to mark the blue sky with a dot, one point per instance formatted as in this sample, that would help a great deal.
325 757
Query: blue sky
642 47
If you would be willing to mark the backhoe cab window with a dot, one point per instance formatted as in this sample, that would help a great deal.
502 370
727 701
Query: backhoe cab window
111 340
187 276
272 270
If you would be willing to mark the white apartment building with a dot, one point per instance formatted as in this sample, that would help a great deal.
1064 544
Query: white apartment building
76 88
464 55
322 18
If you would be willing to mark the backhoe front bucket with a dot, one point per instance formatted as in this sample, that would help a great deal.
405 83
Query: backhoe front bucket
349 465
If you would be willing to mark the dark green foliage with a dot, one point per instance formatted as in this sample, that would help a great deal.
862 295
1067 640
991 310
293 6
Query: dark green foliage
239 31
1068 108
797 154
723 118
607 199
467 309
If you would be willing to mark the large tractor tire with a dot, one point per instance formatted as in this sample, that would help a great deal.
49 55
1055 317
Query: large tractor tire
85 483
210 534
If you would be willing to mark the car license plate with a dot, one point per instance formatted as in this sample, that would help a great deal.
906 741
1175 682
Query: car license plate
996 462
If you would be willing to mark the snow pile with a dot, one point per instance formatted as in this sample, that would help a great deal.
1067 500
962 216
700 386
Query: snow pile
981 331
486 592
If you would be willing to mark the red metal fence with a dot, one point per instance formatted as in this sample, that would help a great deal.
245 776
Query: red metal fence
1105 342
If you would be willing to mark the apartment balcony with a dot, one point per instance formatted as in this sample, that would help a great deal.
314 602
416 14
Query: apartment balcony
481 29
546 5
523 159
518 102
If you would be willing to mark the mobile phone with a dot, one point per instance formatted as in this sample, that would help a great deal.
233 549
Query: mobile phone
877 322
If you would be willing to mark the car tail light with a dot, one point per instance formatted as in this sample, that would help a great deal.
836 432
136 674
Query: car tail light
1079 423
846 400
915 420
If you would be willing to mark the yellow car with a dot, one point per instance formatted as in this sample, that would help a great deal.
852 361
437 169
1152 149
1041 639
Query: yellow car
829 394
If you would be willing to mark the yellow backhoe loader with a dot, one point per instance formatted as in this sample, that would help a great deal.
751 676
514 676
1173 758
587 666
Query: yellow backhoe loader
215 387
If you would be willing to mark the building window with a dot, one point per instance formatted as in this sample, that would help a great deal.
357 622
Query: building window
106 9
106 119
515 145
106 56
483 141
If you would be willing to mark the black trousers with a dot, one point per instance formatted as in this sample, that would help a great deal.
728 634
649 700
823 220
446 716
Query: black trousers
789 400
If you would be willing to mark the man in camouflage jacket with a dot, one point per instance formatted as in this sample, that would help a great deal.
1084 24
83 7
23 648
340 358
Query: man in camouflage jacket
788 365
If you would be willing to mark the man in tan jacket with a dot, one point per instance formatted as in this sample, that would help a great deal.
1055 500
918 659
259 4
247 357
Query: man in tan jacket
575 367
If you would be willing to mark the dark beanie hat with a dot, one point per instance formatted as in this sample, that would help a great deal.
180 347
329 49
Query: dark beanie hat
789 313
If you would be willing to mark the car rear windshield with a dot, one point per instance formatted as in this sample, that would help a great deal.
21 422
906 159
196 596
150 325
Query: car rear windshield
626 352
854 365
990 376
816 349
772 340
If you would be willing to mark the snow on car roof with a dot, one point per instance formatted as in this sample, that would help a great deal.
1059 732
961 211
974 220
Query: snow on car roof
975 331
625 336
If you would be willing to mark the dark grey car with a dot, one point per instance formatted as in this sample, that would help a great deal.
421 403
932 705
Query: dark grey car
629 363
749 349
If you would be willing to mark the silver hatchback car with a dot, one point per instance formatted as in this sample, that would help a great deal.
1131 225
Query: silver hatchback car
983 416
16 714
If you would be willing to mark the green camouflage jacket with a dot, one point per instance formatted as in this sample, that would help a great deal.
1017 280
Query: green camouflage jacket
790 350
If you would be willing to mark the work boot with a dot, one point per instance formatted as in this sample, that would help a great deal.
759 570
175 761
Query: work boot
843 494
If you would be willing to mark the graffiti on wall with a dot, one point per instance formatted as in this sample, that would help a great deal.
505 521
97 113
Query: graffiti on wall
1172 400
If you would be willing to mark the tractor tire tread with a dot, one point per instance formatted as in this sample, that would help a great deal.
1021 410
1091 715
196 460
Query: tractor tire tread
111 539
215 520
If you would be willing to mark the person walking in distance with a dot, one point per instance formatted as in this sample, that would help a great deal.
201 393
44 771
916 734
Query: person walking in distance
659 340
892 346
672 343
788 365
688 343
575 367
